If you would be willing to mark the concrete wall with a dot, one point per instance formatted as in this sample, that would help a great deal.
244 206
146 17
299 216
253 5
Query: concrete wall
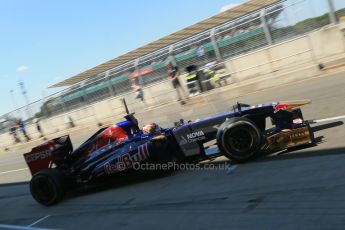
309 48
249 65
304 52
289 53
328 41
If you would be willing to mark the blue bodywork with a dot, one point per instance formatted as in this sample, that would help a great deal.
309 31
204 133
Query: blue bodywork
119 148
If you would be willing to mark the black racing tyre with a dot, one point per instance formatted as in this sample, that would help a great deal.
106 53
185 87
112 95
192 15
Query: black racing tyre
239 139
48 186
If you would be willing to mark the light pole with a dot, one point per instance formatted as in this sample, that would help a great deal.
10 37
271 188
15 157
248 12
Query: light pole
22 87
14 102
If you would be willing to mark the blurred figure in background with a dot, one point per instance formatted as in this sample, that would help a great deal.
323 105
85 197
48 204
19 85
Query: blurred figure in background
210 70
139 94
38 126
23 130
69 121
13 133
173 74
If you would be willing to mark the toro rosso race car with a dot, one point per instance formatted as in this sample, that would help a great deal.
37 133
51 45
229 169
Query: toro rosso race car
239 135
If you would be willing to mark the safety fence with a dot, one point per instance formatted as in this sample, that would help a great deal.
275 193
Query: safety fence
255 31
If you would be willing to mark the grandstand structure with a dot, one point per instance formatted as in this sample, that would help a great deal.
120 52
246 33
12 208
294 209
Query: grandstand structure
244 28
224 35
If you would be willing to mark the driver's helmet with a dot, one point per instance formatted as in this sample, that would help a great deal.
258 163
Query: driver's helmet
151 128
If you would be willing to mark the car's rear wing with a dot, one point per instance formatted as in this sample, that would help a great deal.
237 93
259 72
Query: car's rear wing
41 157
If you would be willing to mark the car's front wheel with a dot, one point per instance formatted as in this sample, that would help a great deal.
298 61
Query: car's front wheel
239 139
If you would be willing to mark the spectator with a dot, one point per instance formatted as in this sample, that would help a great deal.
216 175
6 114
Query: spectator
13 133
22 129
38 127
139 94
173 74
69 121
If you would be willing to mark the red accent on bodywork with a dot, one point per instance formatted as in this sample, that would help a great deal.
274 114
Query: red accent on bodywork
115 133
109 135
281 106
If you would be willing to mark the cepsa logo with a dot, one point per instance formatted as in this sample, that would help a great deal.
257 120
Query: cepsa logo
38 156
127 161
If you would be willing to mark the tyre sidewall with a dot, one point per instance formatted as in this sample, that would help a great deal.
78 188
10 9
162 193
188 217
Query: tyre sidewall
224 131
52 178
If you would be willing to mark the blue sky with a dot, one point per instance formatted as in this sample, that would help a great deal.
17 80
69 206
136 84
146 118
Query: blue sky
43 42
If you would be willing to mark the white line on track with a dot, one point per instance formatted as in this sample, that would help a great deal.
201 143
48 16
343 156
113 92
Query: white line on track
18 227
15 170
39 220
329 119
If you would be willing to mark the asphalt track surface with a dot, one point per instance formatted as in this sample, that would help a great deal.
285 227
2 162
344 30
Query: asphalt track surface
302 189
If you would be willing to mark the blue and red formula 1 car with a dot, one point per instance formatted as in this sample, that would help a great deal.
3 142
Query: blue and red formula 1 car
239 135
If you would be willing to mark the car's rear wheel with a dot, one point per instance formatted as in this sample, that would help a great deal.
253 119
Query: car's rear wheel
239 139
48 186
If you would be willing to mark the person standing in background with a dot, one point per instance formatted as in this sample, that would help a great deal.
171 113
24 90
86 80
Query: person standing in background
173 74
13 133
139 94
38 126
22 129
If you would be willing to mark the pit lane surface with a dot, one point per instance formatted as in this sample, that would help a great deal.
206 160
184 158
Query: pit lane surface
301 189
